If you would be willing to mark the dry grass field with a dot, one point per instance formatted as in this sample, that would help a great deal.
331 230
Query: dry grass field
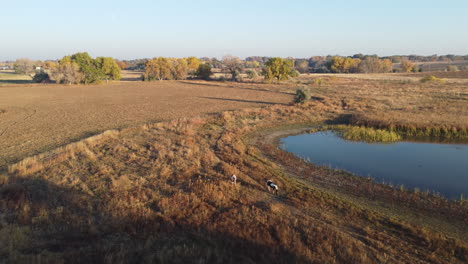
158 192
8 77
452 77
38 117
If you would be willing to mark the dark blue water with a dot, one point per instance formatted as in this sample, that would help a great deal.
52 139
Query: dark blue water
440 168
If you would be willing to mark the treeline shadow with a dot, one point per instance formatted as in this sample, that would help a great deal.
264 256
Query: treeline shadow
15 81
234 87
241 100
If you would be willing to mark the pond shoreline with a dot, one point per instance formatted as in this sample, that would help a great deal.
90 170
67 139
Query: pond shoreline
419 208
437 168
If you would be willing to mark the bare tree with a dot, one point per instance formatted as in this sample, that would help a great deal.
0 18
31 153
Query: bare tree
233 65
67 72
24 66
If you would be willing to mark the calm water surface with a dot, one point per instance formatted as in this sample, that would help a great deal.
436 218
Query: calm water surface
442 168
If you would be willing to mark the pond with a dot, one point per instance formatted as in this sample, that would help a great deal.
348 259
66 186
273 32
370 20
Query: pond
440 168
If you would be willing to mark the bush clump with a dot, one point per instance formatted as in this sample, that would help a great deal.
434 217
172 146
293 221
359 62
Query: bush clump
251 74
431 78
302 95
204 71
41 77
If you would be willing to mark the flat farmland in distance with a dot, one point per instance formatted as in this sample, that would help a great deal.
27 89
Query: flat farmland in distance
35 118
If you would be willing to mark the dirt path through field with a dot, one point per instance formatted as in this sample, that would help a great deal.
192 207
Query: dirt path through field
38 118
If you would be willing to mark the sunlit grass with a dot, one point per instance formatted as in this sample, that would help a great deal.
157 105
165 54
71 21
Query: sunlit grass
366 134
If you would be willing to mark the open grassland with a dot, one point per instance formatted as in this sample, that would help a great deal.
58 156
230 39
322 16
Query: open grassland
41 117
453 77
8 77
159 192
441 74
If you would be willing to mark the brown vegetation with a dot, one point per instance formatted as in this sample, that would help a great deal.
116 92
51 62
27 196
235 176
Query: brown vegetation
160 192
44 117
443 74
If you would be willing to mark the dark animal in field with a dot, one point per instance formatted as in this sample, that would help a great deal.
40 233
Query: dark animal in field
272 187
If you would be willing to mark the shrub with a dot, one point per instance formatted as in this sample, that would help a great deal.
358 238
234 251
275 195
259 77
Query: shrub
204 71
319 81
431 78
221 78
252 74
40 77
302 95
294 74
452 68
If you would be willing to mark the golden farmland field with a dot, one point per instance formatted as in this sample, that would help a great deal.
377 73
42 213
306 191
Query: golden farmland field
38 117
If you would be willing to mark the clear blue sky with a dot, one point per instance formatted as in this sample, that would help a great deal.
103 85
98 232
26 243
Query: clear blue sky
50 29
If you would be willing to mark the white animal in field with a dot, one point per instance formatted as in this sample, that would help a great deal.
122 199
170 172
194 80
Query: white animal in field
233 179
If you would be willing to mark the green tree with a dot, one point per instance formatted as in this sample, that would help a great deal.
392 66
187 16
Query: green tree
277 68
204 71
109 68
88 66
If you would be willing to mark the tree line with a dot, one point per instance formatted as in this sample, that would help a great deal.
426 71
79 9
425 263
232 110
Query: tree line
162 68
73 69
82 68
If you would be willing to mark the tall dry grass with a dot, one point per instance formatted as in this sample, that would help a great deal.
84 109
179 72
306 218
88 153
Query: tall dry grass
160 193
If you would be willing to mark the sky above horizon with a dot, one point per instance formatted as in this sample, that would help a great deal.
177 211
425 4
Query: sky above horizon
51 29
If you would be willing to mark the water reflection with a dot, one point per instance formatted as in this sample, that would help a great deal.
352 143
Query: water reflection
437 167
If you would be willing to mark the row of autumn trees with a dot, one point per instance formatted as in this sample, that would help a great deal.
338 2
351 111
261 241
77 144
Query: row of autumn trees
369 64
162 68
175 69
77 68
81 68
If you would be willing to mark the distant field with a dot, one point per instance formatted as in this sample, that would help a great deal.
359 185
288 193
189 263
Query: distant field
441 74
459 76
10 77
40 117
131 75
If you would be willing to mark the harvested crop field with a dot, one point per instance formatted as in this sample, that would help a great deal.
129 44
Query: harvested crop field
37 118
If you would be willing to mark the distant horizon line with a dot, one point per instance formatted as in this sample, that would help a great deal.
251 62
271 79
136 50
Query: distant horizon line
243 58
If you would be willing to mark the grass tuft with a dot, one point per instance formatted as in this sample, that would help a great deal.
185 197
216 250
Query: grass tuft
366 134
